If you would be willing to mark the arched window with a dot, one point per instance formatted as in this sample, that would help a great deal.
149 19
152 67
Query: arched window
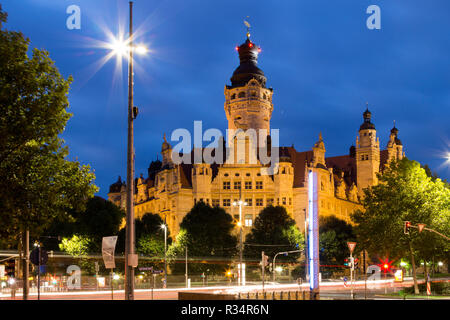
241 94
233 96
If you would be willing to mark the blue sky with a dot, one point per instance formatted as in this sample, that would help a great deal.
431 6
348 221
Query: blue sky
322 61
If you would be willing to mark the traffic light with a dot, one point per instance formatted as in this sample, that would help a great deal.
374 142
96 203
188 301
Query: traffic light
347 262
10 268
356 262
407 226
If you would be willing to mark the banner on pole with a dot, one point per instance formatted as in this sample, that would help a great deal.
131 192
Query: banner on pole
108 248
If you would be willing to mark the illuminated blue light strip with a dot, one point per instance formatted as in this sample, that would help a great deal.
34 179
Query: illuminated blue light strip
313 237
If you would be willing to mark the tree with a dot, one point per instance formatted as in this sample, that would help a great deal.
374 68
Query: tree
207 233
275 229
404 193
148 234
38 183
101 218
77 245
334 234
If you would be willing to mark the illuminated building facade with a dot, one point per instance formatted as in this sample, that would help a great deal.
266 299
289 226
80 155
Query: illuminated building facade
171 189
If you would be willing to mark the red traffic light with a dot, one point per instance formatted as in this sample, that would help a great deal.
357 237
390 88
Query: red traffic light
386 265
407 226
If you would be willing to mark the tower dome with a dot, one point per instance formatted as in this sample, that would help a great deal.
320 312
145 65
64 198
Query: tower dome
367 115
248 69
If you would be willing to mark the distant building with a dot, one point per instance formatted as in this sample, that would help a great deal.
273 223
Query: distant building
171 190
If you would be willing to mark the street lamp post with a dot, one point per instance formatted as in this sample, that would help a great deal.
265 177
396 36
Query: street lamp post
240 203
130 228
121 48
274 259
164 226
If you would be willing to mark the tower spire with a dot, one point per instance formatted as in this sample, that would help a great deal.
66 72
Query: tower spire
247 24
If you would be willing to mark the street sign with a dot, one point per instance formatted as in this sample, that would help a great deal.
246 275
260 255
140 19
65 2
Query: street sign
146 269
108 247
421 226
351 246
158 271
34 256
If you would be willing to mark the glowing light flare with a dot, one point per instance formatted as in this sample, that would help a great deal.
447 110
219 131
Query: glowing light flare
119 47
386 265
141 49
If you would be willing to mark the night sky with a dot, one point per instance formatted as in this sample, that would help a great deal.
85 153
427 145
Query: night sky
322 61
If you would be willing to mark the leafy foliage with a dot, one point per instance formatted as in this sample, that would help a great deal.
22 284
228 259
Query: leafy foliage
334 235
149 236
272 227
101 218
207 233
77 245
38 183
405 193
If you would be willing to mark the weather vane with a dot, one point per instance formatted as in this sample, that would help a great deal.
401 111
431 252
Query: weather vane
248 27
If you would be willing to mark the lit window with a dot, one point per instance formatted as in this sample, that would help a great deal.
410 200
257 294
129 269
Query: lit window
248 222
284 201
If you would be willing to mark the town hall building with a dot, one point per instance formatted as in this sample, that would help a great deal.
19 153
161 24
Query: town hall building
171 190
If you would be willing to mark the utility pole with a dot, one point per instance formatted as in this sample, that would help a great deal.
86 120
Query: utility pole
241 245
186 266
165 252
263 267
365 274
26 263
306 246
130 258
